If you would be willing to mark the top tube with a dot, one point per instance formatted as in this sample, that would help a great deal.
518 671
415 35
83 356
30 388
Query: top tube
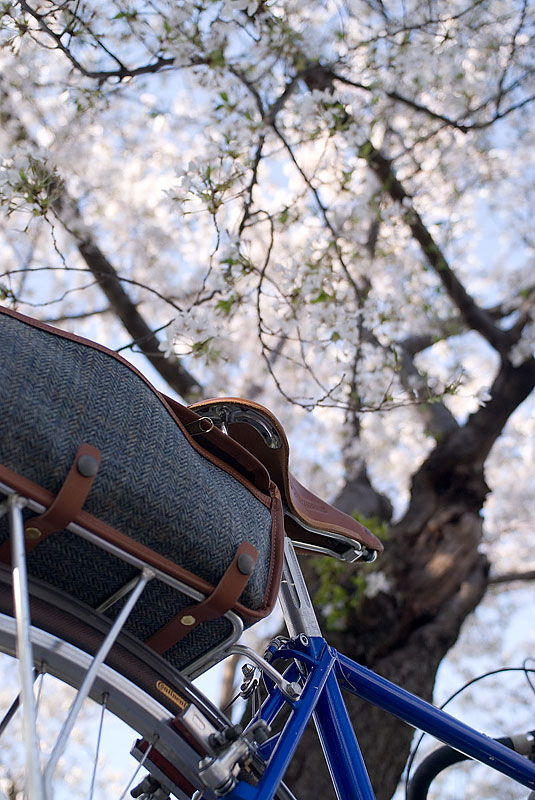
416 712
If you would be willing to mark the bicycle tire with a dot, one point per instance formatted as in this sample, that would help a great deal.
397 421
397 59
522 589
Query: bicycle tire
141 688
435 763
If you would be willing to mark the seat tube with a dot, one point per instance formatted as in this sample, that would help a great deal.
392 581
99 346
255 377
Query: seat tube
342 752
297 608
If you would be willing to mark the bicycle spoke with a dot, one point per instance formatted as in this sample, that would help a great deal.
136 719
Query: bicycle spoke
138 767
10 713
15 705
97 751
59 642
84 689
39 690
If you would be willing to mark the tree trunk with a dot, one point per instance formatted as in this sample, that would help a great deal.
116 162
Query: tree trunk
436 577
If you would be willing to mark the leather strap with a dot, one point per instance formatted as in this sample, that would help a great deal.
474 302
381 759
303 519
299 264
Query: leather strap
215 444
222 599
67 503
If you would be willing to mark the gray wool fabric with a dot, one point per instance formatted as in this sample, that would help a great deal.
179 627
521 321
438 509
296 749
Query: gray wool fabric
152 484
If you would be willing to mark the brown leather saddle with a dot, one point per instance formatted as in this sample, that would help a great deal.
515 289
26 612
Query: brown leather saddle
310 522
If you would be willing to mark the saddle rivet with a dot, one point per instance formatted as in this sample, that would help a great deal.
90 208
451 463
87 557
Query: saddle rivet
32 534
87 466
246 564
188 619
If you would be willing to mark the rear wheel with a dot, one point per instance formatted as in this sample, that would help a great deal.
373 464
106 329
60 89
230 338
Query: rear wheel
134 685
172 718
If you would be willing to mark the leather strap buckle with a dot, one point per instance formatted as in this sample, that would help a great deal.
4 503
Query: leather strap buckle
223 598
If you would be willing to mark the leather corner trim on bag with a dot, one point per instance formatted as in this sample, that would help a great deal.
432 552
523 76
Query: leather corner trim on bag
68 501
222 599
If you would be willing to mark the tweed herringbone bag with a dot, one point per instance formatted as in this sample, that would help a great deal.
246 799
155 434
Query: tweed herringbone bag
190 502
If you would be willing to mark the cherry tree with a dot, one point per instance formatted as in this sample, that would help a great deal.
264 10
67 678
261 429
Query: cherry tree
326 207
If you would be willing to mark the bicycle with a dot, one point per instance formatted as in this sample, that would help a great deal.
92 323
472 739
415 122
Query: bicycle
188 747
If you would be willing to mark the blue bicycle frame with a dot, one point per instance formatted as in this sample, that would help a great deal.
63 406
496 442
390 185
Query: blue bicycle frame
323 671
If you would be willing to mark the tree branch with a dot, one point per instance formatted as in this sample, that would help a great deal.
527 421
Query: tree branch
448 121
323 210
120 73
82 315
65 208
510 388
511 577
252 183
170 368
476 317
438 418
466 449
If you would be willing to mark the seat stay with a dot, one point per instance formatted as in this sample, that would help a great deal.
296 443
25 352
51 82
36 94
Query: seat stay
324 673
316 663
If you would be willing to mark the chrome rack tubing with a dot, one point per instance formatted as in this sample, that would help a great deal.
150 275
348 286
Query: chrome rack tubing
294 598
145 576
35 785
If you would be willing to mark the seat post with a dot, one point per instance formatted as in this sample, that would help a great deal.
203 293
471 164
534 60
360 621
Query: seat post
294 598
